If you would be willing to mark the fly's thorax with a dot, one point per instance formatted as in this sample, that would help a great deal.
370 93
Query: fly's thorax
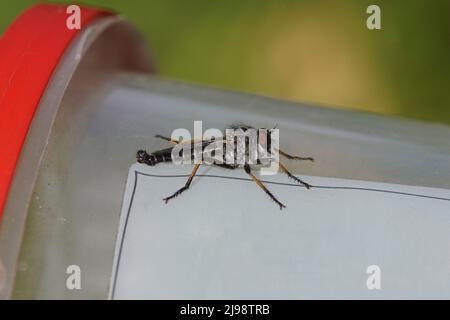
239 146
251 146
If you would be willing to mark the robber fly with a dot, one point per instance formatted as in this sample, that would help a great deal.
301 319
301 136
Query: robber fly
165 155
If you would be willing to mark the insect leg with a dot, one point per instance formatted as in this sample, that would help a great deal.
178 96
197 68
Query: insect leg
290 157
186 186
262 186
290 175
166 138
176 141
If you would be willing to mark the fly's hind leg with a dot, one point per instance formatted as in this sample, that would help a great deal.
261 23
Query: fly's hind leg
186 186
176 141
290 175
166 138
262 186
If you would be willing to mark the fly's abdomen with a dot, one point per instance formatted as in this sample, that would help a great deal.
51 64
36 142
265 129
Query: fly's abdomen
153 158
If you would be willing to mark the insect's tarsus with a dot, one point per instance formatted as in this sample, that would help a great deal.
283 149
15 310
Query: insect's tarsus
291 176
163 137
185 187
291 157
262 186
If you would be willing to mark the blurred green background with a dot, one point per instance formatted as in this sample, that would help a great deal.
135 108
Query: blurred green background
310 51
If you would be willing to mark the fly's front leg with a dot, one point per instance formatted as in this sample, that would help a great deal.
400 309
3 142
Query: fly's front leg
290 157
262 186
290 175
186 186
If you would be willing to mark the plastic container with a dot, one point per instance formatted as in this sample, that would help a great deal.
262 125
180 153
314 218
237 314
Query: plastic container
102 104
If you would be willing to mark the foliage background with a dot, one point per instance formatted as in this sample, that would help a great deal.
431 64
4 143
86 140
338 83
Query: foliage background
310 51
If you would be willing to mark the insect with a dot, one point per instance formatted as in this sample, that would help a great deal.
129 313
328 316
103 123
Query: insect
165 155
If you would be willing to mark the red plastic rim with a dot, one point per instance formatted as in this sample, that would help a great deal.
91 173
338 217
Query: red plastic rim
30 49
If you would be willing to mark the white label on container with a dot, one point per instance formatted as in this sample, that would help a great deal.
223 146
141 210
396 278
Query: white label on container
225 239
